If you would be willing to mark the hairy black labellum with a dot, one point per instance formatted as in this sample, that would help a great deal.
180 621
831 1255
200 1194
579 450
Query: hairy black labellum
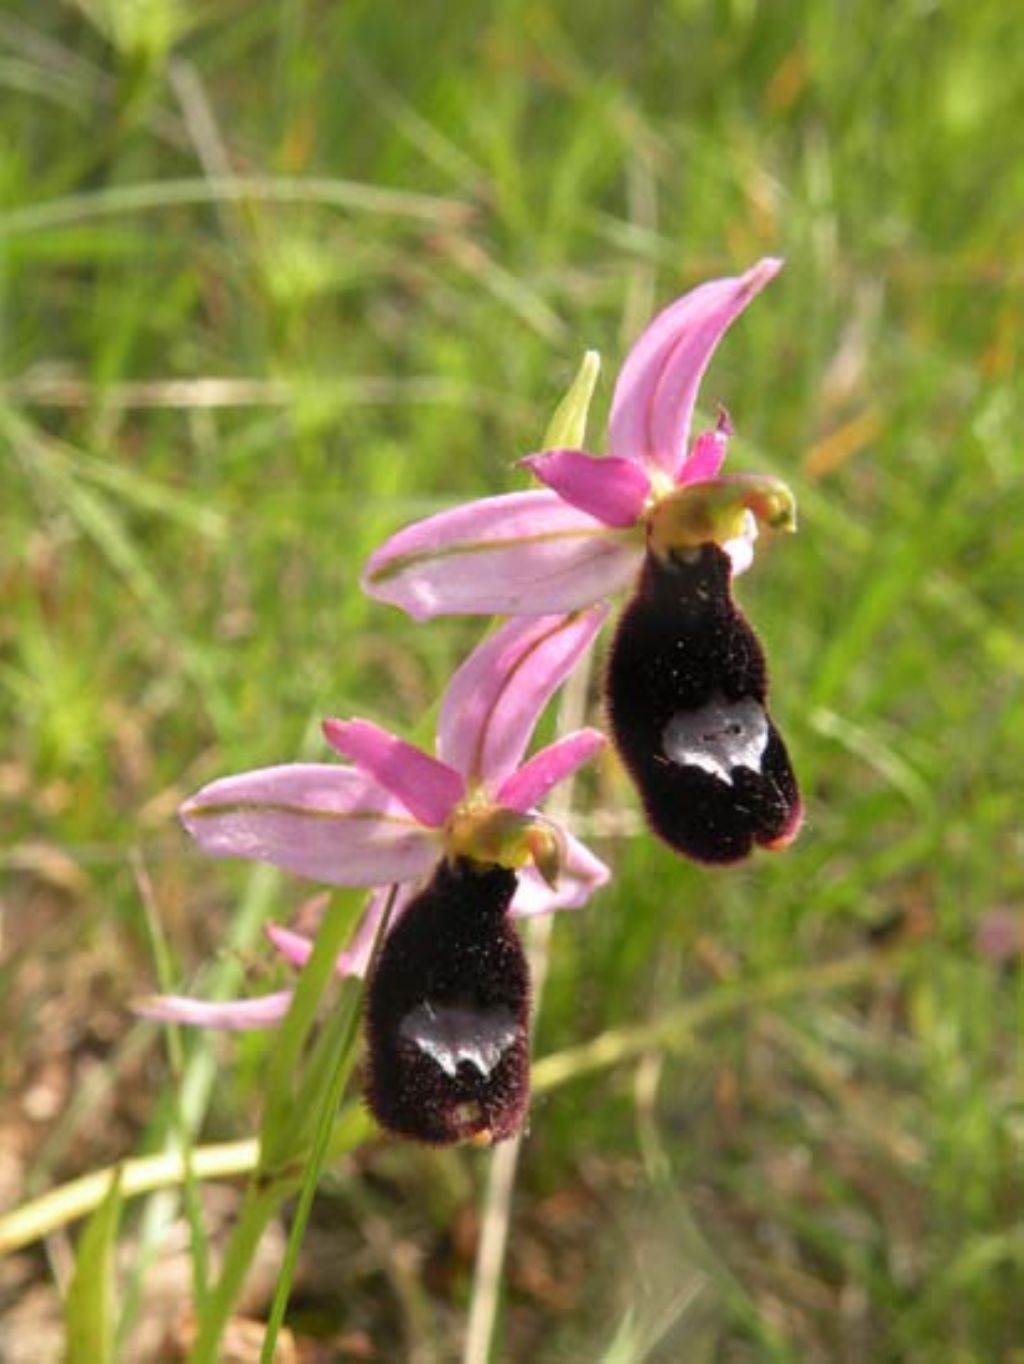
687 689
447 1012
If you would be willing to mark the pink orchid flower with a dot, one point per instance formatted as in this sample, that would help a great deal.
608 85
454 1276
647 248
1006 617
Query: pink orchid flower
686 681
396 811
586 536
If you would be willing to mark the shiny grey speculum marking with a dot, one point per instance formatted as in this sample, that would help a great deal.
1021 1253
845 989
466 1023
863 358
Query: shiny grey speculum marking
718 737
450 1035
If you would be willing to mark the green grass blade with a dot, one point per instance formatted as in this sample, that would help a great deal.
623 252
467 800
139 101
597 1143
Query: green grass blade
89 1310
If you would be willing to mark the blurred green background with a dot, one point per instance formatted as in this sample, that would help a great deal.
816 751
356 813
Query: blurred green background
280 277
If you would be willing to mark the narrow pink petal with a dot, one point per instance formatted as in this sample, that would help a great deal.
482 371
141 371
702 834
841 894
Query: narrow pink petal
582 875
496 697
613 490
528 786
296 948
657 386
523 554
355 959
332 824
236 1015
427 788
705 460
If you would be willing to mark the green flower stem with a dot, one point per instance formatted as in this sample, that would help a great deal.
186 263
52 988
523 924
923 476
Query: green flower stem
496 1213
282 1115
68 1202
182 1129
284 1130
340 1042
321 1144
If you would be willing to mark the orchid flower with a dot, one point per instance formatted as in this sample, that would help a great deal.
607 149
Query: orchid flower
464 821
585 538
686 679
389 816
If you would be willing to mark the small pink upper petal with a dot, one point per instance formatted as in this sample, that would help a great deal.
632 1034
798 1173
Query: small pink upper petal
495 699
523 554
528 786
705 460
332 824
657 387
613 490
582 874
427 788
235 1015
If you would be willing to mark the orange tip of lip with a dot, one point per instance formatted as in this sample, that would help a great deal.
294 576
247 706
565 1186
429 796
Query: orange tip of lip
788 835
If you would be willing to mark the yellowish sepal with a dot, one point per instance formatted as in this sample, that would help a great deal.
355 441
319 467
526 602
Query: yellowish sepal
568 425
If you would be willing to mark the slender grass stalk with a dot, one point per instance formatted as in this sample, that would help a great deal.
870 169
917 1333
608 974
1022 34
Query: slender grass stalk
283 1132
485 1301
259 1205
198 1247
160 194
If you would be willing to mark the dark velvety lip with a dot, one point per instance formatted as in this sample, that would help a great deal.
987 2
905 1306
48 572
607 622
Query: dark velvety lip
447 1012
683 651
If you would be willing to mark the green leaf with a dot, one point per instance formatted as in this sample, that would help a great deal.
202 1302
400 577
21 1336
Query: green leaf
89 1309
282 1118
568 426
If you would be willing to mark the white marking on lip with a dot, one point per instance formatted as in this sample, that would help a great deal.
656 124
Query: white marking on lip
718 737
450 1034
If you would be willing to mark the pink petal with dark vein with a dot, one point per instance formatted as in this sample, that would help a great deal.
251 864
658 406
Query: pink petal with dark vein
657 387
329 823
236 1015
523 554
496 697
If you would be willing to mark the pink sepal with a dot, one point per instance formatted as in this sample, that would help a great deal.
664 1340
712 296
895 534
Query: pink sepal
614 490
427 788
238 1015
330 823
705 460
296 948
495 698
657 386
528 786
523 554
